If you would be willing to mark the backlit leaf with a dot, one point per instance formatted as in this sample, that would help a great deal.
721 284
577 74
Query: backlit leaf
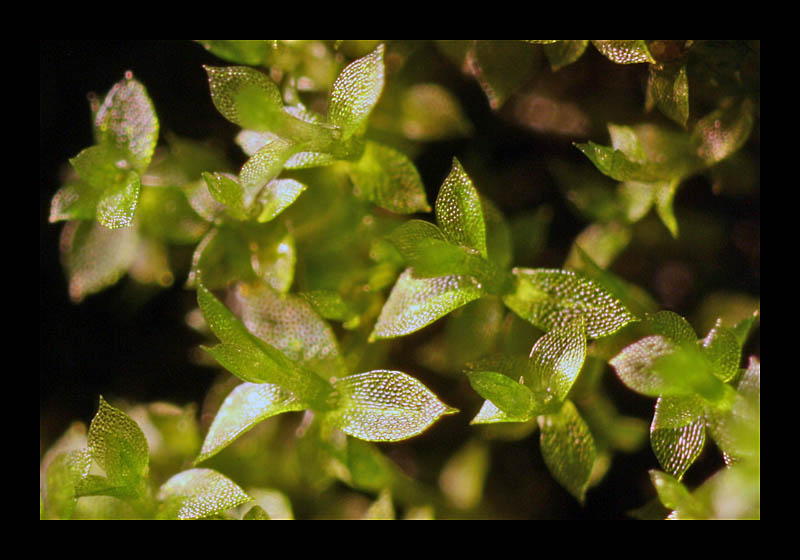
568 449
550 298
198 493
225 188
247 405
277 196
416 302
355 92
459 213
678 432
722 132
245 96
385 405
557 359
264 166
508 395
722 349
119 446
668 89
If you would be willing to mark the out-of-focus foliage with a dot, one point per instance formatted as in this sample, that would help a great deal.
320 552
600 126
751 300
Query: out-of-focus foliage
343 303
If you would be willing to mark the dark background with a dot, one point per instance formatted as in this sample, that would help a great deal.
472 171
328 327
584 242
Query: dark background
122 345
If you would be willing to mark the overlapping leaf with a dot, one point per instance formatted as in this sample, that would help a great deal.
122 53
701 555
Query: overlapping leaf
198 493
355 93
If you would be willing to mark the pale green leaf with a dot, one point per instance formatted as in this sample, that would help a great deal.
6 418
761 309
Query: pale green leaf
675 496
385 405
672 326
619 166
247 405
389 179
264 166
287 322
119 446
241 51
253 360
721 348
416 302
430 112
64 476
198 493
568 449
127 120
724 131
245 96
634 364
355 93
277 196
459 213
225 188
550 298
678 432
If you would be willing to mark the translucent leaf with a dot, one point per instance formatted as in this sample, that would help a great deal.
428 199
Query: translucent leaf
634 364
678 433
250 52
616 164
95 257
668 89
501 67
459 213
381 508
672 326
389 179
556 360
127 121
118 446
385 405
64 477
463 476
225 188
355 93
247 405
624 52
505 393
721 348
263 167
116 206
674 495
252 359
198 493
416 302
288 323
550 298
568 449
256 513
273 260
76 200
329 305
245 96
737 431
277 196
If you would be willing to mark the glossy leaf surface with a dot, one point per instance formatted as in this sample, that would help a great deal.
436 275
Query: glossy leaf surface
199 493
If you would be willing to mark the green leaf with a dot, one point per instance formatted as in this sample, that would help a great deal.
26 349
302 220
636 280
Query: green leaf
556 360
568 449
225 188
389 179
721 348
501 67
668 89
678 432
116 206
459 213
288 323
255 361
250 52
245 97
672 326
625 52
119 446
385 405
264 166
127 121
247 405
95 257
616 164
634 365
277 196
198 493
550 298
64 477
416 302
675 496
355 93
431 112
510 396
